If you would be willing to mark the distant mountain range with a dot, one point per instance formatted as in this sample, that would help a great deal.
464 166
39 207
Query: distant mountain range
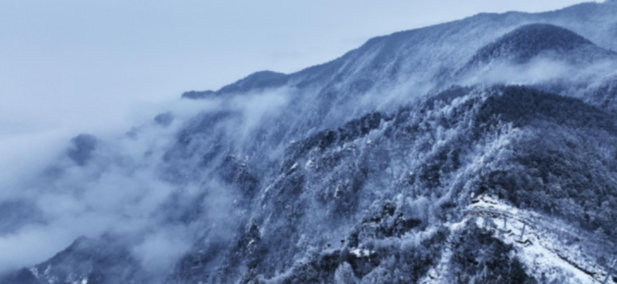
482 150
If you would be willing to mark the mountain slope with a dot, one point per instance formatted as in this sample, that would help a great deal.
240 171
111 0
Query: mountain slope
377 167
417 171
529 41
439 48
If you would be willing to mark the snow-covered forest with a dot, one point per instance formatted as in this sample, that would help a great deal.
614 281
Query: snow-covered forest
482 150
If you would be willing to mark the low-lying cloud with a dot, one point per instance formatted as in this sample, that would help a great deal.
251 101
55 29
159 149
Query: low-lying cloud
112 182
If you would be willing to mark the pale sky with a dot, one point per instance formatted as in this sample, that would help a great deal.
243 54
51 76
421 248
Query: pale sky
88 66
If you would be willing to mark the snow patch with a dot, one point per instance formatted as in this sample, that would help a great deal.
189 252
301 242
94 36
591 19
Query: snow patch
359 253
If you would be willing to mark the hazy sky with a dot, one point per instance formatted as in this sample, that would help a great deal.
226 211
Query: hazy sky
75 66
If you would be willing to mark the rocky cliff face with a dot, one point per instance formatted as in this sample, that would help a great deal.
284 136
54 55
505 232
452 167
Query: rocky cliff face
476 151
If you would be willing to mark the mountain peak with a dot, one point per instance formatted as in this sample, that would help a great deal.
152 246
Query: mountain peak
528 41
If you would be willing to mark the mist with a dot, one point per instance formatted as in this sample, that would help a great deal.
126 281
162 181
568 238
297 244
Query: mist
159 175
117 185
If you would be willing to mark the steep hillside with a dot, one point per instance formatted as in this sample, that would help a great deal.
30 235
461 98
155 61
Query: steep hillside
476 151
424 53
530 41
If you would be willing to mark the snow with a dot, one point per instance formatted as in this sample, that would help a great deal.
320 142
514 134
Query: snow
416 57
539 250
359 253
435 274
541 253
35 272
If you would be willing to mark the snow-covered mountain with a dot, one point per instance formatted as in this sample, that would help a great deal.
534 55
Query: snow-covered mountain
475 151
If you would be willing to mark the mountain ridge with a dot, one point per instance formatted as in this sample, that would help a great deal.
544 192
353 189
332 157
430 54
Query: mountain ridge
381 166
397 40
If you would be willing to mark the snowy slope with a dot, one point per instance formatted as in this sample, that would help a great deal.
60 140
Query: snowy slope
396 163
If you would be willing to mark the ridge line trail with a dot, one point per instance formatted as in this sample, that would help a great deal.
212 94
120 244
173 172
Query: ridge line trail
542 239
